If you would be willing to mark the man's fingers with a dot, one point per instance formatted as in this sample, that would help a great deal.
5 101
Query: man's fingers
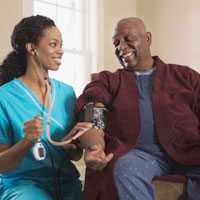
109 157
97 161
98 165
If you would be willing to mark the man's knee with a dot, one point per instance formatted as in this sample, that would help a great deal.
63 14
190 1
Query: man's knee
131 166
124 166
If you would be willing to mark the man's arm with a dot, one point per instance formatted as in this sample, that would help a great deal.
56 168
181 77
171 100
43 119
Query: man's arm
93 139
94 144
98 92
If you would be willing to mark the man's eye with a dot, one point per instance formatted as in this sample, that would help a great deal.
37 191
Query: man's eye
116 43
130 39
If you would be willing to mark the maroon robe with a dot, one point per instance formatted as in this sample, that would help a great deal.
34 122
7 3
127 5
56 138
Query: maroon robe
176 108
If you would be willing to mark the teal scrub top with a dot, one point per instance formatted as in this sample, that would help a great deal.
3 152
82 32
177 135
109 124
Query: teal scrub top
17 105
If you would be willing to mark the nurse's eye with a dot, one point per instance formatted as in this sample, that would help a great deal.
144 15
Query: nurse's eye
53 44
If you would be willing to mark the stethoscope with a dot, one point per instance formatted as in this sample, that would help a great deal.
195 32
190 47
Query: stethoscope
39 151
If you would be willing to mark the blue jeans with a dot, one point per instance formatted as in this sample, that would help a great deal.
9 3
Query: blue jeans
134 172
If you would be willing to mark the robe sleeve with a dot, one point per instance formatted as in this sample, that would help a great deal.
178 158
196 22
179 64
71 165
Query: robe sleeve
97 91
193 78
197 95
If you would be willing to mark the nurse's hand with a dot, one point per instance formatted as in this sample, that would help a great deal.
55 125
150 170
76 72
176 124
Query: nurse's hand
74 151
33 128
95 157
78 130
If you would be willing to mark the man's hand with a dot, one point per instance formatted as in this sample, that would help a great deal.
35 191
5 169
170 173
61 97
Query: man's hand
95 157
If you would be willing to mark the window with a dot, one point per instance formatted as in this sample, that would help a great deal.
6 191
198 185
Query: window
77 21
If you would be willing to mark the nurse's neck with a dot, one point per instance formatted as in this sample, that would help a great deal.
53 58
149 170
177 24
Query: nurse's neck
33 82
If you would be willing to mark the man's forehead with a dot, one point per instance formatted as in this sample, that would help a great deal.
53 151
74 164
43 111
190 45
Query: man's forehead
128 27
123 33
125 30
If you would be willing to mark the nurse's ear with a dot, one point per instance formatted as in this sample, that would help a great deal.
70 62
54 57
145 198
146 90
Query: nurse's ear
30 48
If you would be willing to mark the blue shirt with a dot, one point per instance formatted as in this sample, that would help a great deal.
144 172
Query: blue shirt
17 105
147 140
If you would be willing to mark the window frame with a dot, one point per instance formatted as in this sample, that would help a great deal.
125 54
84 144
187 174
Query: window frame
90 38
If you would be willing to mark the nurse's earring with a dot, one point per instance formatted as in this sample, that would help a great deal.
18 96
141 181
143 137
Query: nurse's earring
36 52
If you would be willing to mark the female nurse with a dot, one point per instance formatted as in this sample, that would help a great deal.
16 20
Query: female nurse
24 107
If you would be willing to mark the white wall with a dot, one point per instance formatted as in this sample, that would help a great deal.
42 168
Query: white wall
175 29
113 10
174 26
10 13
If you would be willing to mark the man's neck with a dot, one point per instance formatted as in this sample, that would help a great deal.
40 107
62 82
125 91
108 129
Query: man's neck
145 66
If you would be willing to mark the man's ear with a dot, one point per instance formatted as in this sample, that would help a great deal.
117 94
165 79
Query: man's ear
149 37
30 48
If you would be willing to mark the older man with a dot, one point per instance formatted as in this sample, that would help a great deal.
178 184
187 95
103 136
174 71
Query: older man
153 121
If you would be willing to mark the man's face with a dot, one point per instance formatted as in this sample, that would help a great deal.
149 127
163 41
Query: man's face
50 49
131 45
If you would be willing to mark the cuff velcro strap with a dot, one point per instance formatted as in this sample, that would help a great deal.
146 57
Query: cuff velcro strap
96 115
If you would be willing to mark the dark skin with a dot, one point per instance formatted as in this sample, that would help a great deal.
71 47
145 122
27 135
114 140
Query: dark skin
11 156
132 47
41 58
93 142
132 44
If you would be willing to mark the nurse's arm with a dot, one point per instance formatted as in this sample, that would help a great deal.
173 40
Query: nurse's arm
11 156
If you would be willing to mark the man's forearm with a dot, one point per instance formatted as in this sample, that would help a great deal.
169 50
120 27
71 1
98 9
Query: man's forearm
94 113
92 137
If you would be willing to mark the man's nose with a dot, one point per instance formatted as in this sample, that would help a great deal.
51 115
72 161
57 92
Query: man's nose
121 48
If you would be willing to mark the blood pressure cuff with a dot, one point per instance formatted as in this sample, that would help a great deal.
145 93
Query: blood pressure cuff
94 114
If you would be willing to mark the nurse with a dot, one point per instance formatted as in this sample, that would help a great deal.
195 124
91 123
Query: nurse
37 48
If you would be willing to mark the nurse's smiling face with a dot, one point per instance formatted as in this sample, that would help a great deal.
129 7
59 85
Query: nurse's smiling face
49 48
